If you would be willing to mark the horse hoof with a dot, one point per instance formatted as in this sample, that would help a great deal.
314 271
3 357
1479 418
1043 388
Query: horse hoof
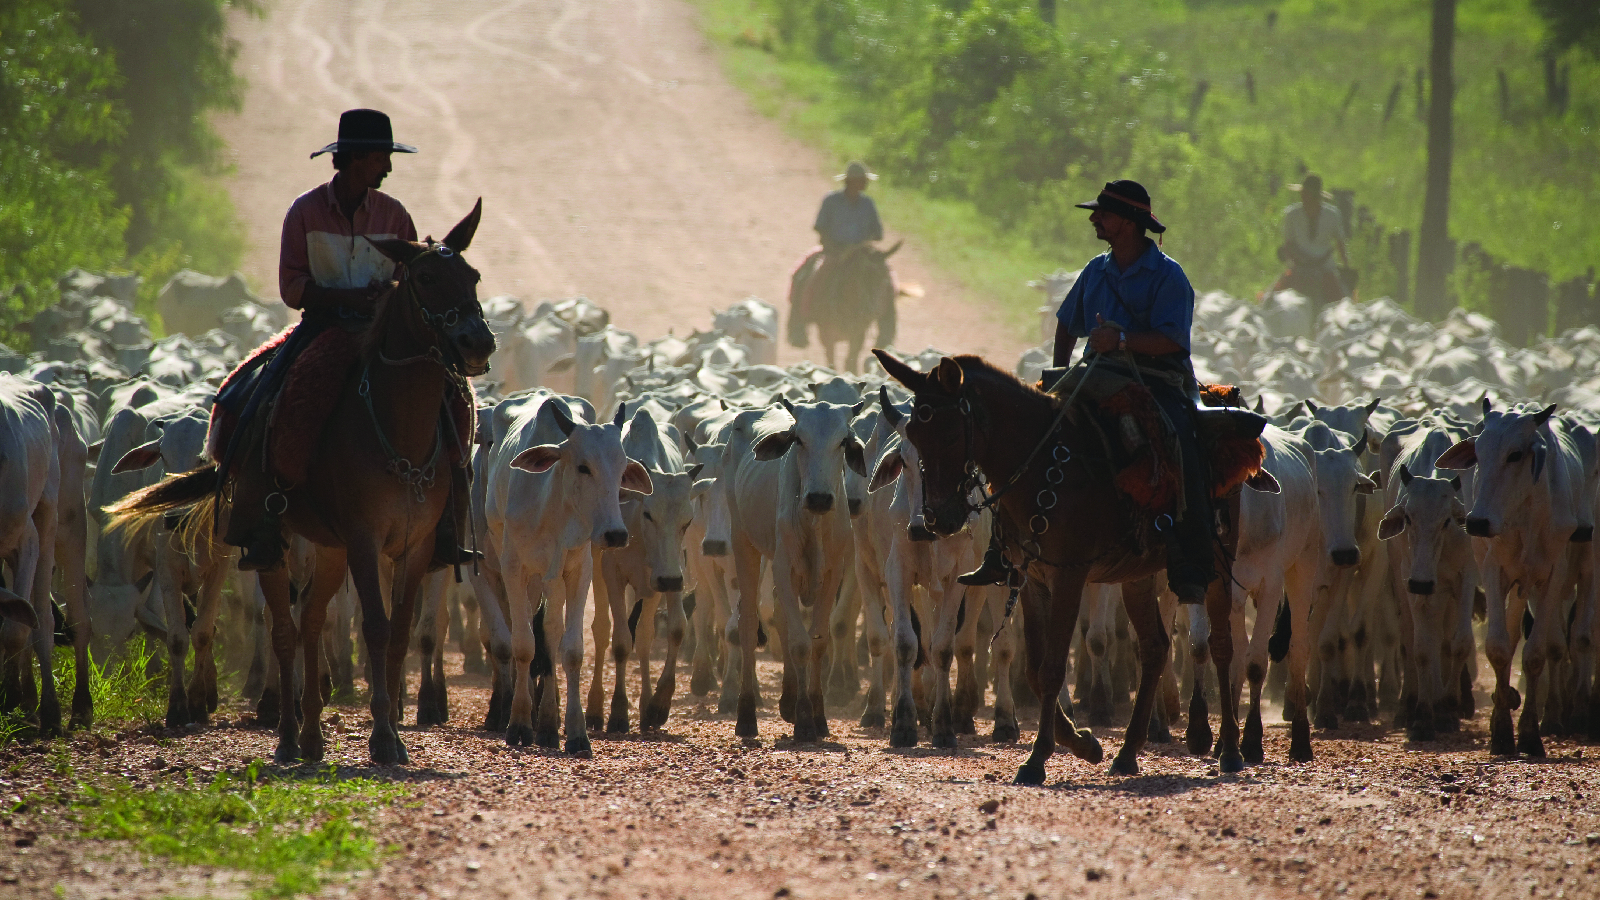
655 716
519 735
746 726
872 718
1006 733
1087 748
1198 739
1125 764
1250 745
1230 762
1029 774
1300 741
578 745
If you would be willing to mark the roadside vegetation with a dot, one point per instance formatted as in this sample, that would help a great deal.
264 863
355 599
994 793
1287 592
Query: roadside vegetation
107 160
999 121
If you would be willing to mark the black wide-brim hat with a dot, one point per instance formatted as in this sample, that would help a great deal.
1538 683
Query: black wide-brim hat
362 131
1129 200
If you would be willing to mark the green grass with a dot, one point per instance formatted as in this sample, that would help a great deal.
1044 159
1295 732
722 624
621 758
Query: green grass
806 97
290 835
124 695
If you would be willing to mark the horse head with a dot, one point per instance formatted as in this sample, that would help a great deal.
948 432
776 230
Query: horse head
945 433
444 313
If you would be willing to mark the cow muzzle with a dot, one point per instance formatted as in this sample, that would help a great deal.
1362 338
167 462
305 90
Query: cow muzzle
1479 528
1420 588
1346 556
616 538
668 584
819 502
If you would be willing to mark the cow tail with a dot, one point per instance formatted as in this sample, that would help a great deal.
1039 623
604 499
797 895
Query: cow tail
543 665
916 629
633 619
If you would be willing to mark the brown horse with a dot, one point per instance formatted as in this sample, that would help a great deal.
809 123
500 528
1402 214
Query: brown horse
850 295
377 485
1066 525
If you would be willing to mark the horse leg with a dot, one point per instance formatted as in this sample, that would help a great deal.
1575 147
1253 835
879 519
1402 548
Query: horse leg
1198 736
275 587
383 746
1139 599
1052 617
326 579
407 585
1219 605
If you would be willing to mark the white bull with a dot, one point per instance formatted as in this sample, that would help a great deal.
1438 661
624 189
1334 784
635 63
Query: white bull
30 486
552 490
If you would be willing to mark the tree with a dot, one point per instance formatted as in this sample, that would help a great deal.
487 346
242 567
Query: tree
1570 23
1433 242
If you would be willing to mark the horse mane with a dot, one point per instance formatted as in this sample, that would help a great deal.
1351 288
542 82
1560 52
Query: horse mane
987 374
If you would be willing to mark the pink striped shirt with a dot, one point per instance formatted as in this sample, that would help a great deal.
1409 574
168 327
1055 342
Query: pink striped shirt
320 245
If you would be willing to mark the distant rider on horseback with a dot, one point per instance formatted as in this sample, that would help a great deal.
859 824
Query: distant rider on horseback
1135 300
1312 231
328 269
847 224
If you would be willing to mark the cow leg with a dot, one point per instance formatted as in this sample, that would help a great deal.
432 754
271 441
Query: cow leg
898 578
1333 689
203 685
666 685
1500 642
327 576
843 678
1002 654
1144 614
968 692
494 633
1301 585
285 637
1257 658
794 635
1544 648
70 550
432 633
747 563
1198 735
37 582
704 624
876 632
1425 660
167 588
575 583
472 659
728 613
1167 696
643 639
1219 606
941 649
623 645
1098 637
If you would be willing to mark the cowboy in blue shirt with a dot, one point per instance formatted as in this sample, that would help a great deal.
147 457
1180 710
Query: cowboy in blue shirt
1135 298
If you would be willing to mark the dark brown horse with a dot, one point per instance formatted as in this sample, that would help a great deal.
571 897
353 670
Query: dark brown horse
850 295
377 485
1065 530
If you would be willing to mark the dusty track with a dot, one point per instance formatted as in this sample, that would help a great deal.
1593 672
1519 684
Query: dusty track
613 157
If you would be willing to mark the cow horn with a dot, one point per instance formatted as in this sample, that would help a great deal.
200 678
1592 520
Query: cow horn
787 406
563 418
890 414
622 413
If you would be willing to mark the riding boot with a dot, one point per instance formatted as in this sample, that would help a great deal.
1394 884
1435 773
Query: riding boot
1190 552
447 549
253 524
995 569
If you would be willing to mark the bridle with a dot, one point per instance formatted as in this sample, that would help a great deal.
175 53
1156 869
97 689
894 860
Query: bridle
441 350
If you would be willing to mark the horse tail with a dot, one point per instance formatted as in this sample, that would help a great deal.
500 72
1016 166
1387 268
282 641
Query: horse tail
146 506
198 528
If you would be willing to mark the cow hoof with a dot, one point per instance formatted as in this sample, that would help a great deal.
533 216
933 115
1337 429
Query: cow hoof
288 754
578 745
1421 731
313 749
1447 723
1300 740
1328 721
943 741
1198 738
903 735
1125 763
727 703
1006 733
1502 740
872 718
1230 762
519 735
177 716
654 715
594 723
617 724
1086 747
1159 732
382 748
547 736
1530 745
702 683
966 725
1029 774
806 732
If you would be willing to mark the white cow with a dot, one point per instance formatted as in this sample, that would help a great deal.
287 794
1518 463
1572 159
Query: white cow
30 486
789 508
538 353
1526 510
752 322
552 490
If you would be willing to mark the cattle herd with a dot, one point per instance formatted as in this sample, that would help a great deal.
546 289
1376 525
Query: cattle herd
1438 488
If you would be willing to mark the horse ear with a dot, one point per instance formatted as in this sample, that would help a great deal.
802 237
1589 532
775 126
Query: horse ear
402 252
948 374
460 237
913 380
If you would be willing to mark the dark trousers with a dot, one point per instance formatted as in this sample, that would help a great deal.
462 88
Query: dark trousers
1189 540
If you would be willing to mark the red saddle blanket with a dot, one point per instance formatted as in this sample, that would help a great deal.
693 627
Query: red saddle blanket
1153 479
311 390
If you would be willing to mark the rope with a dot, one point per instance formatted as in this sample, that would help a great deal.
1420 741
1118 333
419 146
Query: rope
1016 476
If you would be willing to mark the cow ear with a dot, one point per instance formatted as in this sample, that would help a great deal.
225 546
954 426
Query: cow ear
1264 482
1464 455
460 237
699 488
855 456
635 478
17 609
914 381
1260 407
1456 482
694 470
773 446
1367 484
888 470
890 413
537 459
1544 415
1486 403
94 450
856 410
1373 406
1393 522
948 374
141 457
402 252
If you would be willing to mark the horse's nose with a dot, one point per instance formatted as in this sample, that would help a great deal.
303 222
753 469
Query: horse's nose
617 537
819 502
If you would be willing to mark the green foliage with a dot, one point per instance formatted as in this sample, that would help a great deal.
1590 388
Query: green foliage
1214 106
1572 23
294 834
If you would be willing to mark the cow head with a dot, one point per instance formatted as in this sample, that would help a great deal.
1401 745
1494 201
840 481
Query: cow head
1340 483
822 445
594 469
1429 513
1510 455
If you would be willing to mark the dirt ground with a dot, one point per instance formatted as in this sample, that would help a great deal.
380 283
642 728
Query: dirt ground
612 156
695 812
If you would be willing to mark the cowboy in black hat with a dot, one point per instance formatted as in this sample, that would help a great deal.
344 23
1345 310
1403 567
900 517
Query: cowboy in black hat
1135 300
329 269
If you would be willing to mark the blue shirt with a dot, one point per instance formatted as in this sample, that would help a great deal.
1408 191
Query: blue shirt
842 221
1152 295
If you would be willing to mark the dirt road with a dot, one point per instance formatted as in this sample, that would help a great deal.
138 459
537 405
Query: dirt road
613 157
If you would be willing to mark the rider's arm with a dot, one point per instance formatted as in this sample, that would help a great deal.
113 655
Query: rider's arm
876 232
1065 341
315 296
